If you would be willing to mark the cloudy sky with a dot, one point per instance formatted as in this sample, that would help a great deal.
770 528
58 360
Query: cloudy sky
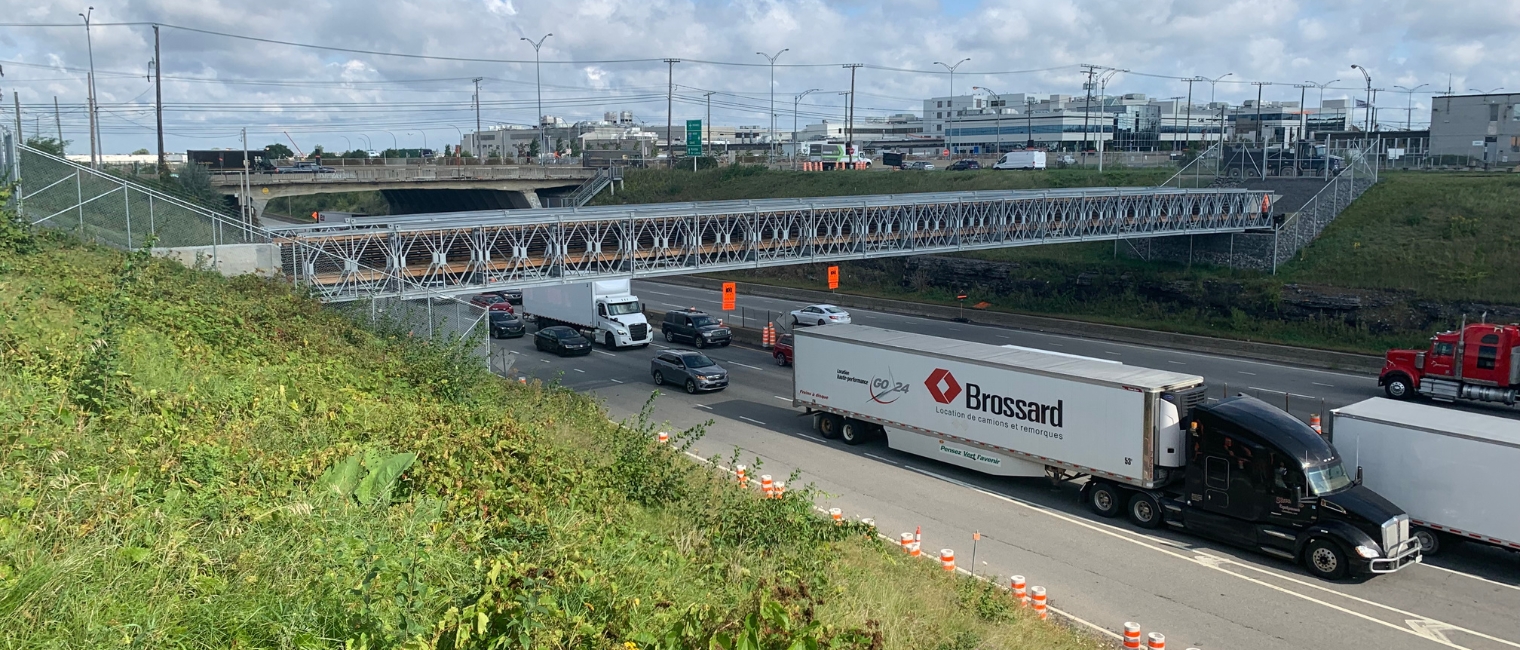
395 71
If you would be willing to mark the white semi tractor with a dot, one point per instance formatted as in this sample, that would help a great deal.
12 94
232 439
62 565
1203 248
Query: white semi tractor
605 310
1148 445
1454 471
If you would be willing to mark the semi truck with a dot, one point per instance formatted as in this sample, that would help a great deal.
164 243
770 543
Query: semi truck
1454 471
1477 362
1146 442
606 310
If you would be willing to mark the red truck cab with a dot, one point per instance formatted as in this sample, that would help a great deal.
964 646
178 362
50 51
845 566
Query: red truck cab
1479 362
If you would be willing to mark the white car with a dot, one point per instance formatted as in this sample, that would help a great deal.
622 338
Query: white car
820 315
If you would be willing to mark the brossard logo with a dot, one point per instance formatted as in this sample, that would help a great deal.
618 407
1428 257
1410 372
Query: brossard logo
944 389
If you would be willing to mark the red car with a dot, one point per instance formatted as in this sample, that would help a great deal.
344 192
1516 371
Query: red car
782 350
490 301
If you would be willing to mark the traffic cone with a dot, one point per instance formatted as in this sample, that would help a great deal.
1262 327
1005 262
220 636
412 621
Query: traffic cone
1132 636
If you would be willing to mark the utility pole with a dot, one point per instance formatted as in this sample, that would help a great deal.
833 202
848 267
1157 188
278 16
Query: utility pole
1087 89
58 124
16 97
538 82
772 59
708 123
1174 120
849 122
1303 122
477 117
1102 93
1029 121
948 142
1409 104
795 142
1188 139
1261 131
158 109
90 83
670 89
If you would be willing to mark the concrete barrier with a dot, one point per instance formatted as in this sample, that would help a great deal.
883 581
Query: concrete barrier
228 259
1303 357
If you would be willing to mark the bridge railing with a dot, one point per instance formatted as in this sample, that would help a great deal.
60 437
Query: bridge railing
422 173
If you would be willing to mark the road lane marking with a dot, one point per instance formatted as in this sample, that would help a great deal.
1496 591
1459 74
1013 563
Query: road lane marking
544 360
1180 363
577 370
884 460
744 364
784 399
513 352
1215 562
1113 353
752 420
604 352
662 347
1246 373
673 305
1002 336
1469 575
1325 385
703 406
1058 345
615 381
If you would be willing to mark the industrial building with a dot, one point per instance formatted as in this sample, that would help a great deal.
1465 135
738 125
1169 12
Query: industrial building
1480 129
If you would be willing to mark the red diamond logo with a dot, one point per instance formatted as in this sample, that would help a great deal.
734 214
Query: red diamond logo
942 386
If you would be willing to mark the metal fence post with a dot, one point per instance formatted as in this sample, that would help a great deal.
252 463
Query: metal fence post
126 200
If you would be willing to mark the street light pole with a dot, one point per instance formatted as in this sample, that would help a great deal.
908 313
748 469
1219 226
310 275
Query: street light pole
998 121
538 82
708 124
795 142
477 117
1367 123
772 58
948 143
94 114
1409 104
1029 122
1174 120
1102 91
670 90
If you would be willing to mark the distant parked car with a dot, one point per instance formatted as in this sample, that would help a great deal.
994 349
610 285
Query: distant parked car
782 350
489 300
960 165
820 315
690 369
505 324
922 164
561 340
695 326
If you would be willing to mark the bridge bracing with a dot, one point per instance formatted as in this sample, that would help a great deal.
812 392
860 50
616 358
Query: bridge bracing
480 250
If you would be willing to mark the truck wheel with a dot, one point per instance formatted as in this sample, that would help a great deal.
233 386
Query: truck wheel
853 432
1325 559
611 342
1398 386
1235 172
670 336
1104 499
697 341
828 425
1144 511
1430 541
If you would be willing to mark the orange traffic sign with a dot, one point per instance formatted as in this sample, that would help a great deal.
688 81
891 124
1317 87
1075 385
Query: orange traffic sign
730 292
833 277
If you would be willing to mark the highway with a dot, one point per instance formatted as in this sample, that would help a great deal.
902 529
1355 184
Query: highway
1104 572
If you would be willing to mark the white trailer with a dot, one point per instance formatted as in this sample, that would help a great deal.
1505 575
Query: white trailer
1453 471
606 309
1010 412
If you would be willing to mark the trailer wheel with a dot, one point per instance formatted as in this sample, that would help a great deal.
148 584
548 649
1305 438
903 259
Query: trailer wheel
853 432
1430 541
1144 511
1325 559
1398 386
828 425
1104 499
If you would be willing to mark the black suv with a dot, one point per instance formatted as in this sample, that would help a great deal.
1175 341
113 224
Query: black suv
695 326
960 165
505 324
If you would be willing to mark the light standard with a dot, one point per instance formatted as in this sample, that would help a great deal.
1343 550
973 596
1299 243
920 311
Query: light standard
538 82
1102 91
367 145
1485 92
1174 122
1409 103
951 68
1321 87
1367 124
795 142
395 146
461 140
1029 122
348 145
1212 82
94 113
772 58
998 121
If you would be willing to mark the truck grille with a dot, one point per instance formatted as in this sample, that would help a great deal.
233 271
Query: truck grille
1395 533
638 331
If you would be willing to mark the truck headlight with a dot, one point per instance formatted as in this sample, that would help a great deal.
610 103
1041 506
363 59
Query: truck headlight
1367 552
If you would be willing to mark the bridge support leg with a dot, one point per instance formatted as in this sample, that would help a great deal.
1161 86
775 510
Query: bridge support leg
531 196
256 206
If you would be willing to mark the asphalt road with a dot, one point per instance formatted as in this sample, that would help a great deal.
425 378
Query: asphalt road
1104 572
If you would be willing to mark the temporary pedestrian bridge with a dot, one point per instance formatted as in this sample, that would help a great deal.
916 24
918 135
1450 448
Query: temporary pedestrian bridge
461 252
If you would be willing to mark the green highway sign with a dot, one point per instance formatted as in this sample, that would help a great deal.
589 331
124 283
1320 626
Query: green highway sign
693 137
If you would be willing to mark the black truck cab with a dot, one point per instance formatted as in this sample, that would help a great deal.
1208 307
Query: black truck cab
1257 477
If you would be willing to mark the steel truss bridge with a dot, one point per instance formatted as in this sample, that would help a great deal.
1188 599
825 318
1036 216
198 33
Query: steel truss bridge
472 251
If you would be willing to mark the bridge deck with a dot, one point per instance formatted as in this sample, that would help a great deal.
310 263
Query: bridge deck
477 250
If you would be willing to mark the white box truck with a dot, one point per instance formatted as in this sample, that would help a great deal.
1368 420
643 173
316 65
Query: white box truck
1021 160
606 310
1453 471
1240 470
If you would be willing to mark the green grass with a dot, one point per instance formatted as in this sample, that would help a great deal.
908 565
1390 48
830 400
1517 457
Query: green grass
755 182
188 461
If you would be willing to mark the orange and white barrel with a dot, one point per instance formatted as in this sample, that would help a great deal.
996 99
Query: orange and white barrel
766 486
664 437
837 515
906 540
1038 595
1132 636
739 473
1314 424
1155 641
780 489
1020 591
914 550
947 559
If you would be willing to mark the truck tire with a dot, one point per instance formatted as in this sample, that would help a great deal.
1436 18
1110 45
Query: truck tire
1144 511
1104 499
697 341
853 432
1235 172
1431 542
1398 386
670 337
611 342
828 425
1325 559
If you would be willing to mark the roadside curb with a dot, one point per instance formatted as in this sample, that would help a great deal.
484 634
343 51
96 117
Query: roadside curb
1303 357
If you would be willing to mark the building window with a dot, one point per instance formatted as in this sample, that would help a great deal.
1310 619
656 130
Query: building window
939 104
1493 112
939 127
939 116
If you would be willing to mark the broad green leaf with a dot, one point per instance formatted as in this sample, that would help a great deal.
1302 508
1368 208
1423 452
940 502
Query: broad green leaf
376 487
341 479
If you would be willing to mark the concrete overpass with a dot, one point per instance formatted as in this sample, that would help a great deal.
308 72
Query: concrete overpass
417 188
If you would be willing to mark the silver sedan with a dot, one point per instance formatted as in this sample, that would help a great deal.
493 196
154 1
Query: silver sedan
820 315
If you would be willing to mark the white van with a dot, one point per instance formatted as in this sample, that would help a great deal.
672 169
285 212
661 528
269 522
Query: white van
1021 160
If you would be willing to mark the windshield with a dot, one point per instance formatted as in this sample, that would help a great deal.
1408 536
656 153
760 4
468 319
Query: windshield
502 318
703 321
623 308
1327 479
699 361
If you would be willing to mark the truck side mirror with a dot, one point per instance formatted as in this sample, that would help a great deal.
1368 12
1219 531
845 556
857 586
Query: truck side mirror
1358 475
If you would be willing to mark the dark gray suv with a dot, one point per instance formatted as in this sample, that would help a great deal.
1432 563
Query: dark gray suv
695 326
692 370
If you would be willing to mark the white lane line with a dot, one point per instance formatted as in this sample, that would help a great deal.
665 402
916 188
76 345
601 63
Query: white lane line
604 352
1469 575
1179 363
752 420
1113 353
615 381
661 293
703 406
1215 562
662 347
544 360
1002 336
744 364
577 370
1246 373
884 460
1325 385
673 305
513 352
1058 345
784 399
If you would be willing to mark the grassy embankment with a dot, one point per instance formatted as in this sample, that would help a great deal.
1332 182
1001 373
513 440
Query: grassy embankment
1447 238
193 462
